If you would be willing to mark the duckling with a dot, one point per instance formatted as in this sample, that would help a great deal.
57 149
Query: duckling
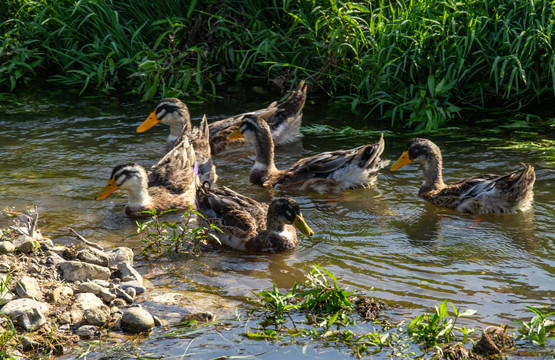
333 171
482 194
170 184
247 225
284 118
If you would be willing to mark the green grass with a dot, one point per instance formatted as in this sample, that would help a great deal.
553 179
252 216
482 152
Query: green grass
417 63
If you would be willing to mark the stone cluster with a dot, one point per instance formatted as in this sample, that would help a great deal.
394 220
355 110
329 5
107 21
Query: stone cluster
72 291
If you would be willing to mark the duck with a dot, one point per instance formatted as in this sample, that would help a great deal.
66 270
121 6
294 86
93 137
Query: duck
284 118
483 194
170 184
247 225
200 139
328 172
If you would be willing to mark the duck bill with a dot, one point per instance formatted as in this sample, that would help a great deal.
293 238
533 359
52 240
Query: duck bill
402 161
300 224
236 134
108 189
148 123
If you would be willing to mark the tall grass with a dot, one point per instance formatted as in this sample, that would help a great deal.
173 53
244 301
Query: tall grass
417 62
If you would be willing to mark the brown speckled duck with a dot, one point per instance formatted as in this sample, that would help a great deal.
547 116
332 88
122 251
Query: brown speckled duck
247 225
170 184
284 118
332 171
482 194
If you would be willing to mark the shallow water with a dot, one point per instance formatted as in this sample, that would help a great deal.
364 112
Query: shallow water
57 151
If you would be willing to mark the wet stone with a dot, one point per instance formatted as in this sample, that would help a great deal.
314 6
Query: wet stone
136 320
88 331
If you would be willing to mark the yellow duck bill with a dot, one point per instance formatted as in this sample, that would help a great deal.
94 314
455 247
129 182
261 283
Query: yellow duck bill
148 123
300 224
402 161
108 189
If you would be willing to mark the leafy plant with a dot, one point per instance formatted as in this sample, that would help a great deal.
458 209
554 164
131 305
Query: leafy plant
438 327
161 235
539 328
279 303
4 288
6 335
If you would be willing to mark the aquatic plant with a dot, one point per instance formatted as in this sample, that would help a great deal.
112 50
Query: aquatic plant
161 235
438 327
539 328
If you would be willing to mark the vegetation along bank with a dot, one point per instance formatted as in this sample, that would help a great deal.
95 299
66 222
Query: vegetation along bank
418 63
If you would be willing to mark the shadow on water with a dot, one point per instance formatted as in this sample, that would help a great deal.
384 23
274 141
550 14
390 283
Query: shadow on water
58 149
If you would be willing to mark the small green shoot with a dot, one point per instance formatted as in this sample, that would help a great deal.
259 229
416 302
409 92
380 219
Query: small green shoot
539 328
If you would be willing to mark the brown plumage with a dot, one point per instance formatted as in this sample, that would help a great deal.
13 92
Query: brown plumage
284 118
247 225
170 184
482 194
332 171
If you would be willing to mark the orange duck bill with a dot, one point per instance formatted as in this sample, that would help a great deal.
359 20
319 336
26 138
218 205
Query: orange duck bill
149 122
403 160
236 134
108 189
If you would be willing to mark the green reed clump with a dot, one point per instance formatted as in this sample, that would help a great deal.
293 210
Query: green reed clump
417 62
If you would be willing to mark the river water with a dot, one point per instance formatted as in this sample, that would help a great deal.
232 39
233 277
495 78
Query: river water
57 150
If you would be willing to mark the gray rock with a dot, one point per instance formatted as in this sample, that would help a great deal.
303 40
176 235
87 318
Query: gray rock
136 320
139 289
157 321
90 287
93 256
80 271
99 316
28 313
88 331
128 273
5 297
103 283
53 258
116 322
118 302
119 255
28 287
106 296
87 304
61 293
131 292
123 295
34 269
6 247
4 268
46 244
25 244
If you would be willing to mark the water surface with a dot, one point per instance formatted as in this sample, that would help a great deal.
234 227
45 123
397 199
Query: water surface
57 151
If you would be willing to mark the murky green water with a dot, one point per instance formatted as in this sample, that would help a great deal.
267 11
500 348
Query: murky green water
57 151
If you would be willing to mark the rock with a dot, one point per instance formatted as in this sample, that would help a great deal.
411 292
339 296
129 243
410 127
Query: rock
139 288
6 247
119 255
88 331
118 302
99 316
28 287
61 293
103 283
79 271
131 292
34 269
128 273
115 323
136 320
4 268
90 287
157 321
5 297
200 317
53 258
28 313
93 256
123 295
25 244
46 245
28 344
106 296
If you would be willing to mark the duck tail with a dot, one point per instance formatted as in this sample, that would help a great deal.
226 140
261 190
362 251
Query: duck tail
369 155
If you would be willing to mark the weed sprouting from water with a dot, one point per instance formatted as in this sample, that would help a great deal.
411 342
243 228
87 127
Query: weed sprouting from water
539 328
161 235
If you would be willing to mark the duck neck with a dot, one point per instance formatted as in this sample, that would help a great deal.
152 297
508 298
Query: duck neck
139 198
264 165
433 178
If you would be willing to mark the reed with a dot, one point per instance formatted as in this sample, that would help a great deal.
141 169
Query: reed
417 62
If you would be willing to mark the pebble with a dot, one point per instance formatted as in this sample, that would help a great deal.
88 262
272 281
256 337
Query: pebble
28 287
25 244
60 293
136 319
88 331
6 247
